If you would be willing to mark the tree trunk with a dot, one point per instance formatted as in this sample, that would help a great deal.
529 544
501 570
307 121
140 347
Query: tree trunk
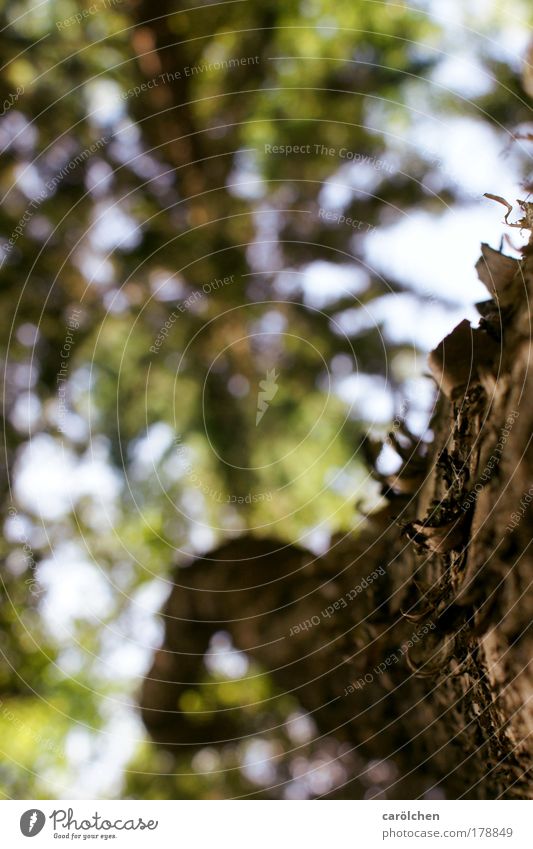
411 640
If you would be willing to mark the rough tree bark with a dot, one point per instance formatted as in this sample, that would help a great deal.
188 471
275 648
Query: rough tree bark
428 665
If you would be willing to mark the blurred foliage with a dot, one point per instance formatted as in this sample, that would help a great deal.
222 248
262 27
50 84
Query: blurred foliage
137 177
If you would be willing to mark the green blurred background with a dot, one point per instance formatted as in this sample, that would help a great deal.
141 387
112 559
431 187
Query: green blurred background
162 251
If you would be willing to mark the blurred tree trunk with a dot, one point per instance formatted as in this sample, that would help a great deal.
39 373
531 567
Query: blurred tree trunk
412 640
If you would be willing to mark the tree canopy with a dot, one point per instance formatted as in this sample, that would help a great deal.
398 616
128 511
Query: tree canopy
199 341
